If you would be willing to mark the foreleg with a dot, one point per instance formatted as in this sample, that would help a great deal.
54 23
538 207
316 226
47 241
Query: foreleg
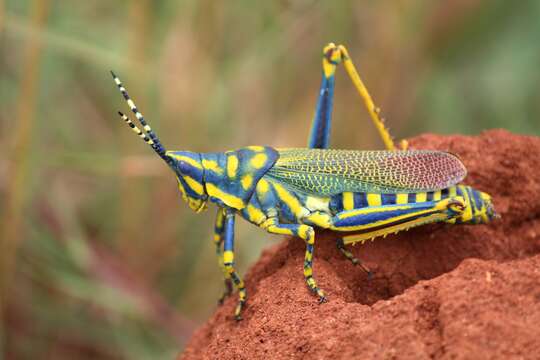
228 261
218 241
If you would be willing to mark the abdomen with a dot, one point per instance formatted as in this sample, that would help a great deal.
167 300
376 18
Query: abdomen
350 201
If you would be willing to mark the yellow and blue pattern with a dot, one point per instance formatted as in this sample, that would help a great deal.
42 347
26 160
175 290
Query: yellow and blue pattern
361 194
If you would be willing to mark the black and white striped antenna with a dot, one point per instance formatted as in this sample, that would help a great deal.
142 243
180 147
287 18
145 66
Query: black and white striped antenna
147 135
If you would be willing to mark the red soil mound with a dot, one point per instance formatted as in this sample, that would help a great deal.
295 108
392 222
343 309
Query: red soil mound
439 291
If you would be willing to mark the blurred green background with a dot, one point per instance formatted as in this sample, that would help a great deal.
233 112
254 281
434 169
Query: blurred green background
100 257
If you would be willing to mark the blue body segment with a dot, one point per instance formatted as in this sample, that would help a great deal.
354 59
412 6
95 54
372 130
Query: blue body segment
389 199
184 164
360 200
240 180
477 198
470 193
227 179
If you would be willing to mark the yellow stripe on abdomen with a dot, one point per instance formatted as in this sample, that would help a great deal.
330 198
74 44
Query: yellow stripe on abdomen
374 199
348 201
421 197
402 199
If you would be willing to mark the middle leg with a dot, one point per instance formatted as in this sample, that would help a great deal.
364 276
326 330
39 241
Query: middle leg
307 234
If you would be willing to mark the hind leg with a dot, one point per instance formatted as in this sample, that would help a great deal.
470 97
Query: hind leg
372 109
321 125
319 136
349 255
371 222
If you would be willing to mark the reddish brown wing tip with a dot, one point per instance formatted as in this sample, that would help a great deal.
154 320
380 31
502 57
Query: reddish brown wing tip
451 170
423 170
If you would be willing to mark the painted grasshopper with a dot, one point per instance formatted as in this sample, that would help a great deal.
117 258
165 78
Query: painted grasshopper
363 194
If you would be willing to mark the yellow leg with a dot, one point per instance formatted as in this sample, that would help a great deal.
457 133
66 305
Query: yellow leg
373 110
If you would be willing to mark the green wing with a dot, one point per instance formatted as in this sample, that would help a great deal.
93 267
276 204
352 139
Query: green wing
328 172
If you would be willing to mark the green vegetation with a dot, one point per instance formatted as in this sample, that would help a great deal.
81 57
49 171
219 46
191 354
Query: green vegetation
100 257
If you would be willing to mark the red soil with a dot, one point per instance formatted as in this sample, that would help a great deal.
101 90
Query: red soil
439 291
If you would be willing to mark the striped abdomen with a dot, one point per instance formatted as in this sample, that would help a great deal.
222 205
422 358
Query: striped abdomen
349 201
475 200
